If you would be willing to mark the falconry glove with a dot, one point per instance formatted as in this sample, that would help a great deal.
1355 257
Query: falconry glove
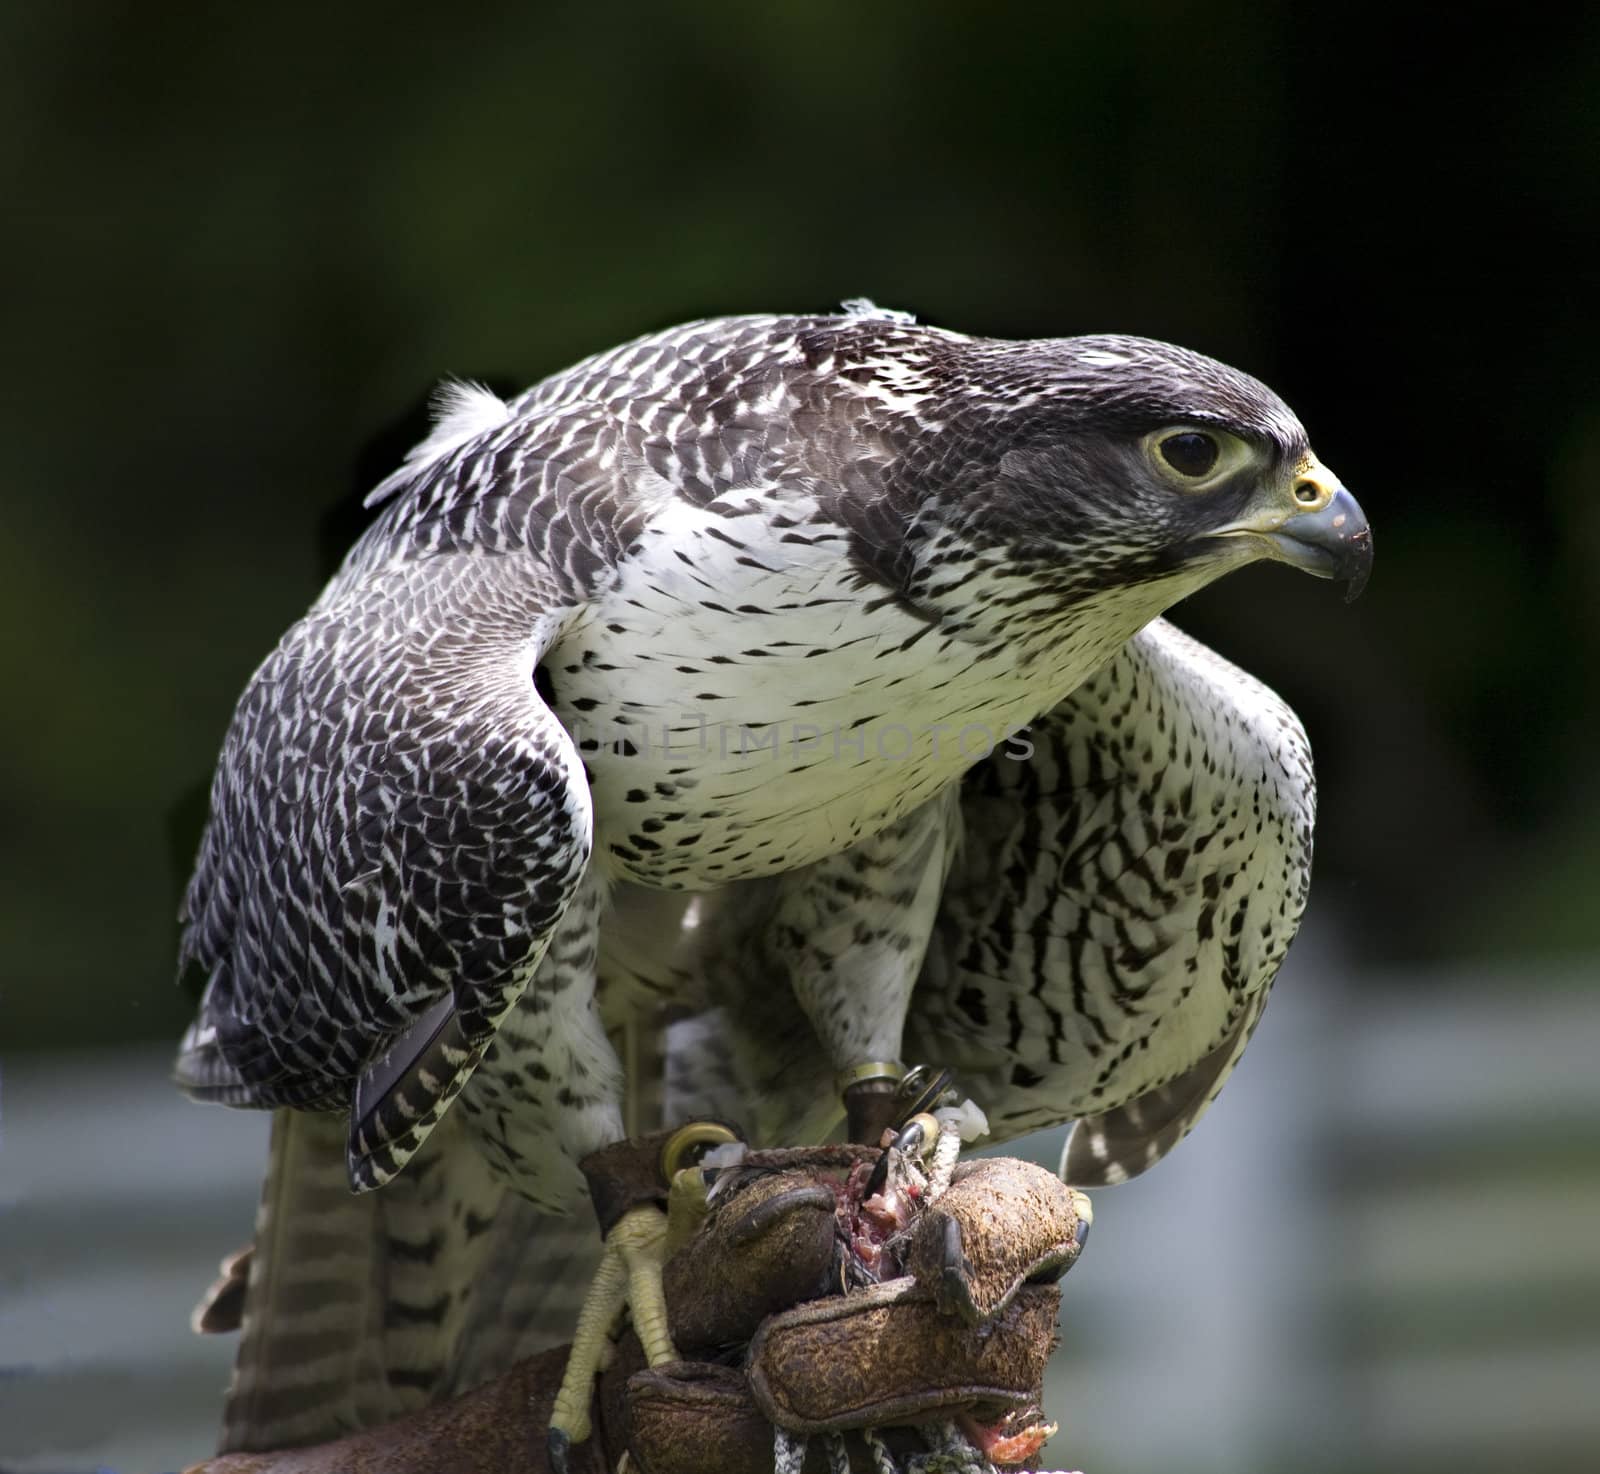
819 1324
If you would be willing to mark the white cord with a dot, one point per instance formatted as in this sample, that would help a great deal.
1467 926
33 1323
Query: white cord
882 1460
945 1152
788 1454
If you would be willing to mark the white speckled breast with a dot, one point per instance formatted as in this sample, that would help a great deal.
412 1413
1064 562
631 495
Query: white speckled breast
772 711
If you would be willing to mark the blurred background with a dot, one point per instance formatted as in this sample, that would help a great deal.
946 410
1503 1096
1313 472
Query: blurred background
240 244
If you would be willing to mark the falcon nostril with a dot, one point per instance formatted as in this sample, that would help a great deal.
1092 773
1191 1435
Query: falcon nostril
1307 492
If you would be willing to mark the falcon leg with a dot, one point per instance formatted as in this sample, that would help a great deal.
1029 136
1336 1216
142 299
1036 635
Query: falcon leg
849 935
851 932
629 1182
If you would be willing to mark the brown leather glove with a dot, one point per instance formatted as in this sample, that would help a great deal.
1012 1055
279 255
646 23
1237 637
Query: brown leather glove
809 1304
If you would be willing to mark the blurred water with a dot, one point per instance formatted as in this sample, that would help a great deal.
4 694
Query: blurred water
1378 1251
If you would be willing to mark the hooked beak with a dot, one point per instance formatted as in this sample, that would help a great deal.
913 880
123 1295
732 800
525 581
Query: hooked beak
1322 530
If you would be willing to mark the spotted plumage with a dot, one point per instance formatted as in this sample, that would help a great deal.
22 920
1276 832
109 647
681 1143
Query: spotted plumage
1127 876
1124 901
832 623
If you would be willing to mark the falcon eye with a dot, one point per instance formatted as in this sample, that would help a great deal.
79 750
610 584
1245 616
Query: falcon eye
1190 453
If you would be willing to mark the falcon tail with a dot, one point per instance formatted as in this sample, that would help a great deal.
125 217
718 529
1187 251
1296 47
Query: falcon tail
305 1368
357 1308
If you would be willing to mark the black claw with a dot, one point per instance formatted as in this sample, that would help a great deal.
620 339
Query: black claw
955 1249
955 1275
879 1178
556 1444
908 1142
1081 1233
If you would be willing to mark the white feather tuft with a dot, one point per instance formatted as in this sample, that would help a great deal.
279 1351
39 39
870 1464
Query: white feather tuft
462 410
866 307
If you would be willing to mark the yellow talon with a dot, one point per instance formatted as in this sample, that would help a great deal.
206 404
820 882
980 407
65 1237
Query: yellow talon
640 1236
688 1207
607 1294
629 1274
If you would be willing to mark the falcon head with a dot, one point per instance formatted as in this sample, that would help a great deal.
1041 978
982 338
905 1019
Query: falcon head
1117 461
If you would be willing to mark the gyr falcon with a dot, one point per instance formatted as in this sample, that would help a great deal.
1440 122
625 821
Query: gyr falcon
847 627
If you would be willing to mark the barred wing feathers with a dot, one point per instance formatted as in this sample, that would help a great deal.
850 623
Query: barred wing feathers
1123 901
397 825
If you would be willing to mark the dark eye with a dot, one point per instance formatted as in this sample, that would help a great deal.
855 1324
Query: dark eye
1190 453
